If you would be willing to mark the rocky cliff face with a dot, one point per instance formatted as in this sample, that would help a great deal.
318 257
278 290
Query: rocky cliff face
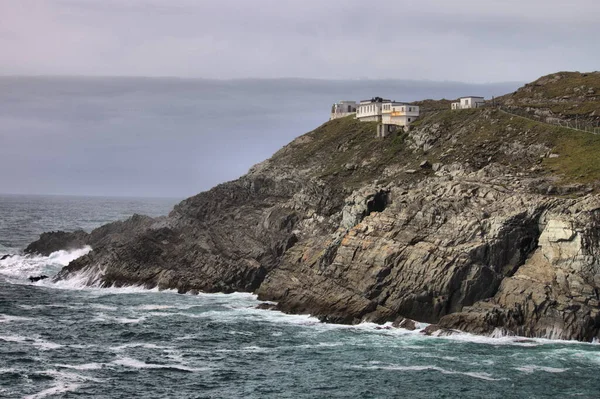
466 221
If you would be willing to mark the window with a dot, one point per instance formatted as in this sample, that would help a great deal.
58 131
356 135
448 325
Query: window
409 119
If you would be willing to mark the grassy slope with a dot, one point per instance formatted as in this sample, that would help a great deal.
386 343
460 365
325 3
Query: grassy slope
345 152
566 93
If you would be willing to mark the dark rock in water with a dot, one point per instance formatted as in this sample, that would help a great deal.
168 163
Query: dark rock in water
56 241
5 256
112 232
437 330
407 324
267 306
33 279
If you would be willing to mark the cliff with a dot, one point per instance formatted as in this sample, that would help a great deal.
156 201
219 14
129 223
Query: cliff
477 220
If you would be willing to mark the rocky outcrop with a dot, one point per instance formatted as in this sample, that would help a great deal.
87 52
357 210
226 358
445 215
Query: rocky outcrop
555 293
435 248
57 240
110 233
481 237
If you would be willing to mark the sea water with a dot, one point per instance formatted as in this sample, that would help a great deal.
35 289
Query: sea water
67 340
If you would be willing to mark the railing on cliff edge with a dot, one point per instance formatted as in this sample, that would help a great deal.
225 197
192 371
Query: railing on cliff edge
580 125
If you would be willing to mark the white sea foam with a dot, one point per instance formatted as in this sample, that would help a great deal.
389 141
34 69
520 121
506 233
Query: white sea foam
40 343
59 388
505 340
137 364
4 318
137 345
530 369
103 318
64 382
20 267
472 374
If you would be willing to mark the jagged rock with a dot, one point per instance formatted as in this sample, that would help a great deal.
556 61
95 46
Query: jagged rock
34 279
555 293
267 306
405 323
425 165
3 257
57 240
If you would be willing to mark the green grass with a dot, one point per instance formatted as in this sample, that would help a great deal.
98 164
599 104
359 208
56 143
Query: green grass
474 136
578 159
560 95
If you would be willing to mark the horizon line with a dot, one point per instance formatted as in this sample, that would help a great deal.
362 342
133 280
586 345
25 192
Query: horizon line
297 78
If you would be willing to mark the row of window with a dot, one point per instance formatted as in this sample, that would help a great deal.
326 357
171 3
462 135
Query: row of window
386 107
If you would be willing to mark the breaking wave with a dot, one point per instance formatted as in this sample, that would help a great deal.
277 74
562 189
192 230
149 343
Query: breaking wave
19 268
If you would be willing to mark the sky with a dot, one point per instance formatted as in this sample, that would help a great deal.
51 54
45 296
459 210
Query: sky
170 97
458 40
167 137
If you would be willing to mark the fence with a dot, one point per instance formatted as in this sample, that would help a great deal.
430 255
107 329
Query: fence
578 124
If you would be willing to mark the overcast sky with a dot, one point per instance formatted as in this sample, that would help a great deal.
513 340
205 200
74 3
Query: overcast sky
457 40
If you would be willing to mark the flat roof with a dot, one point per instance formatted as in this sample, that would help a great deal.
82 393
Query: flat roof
471 97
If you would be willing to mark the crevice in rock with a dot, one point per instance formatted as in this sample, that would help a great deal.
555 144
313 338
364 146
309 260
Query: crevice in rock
378 203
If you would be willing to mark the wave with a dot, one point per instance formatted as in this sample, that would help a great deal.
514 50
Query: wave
21 267
40 343
138 364
479 375
533 368
81 367
64 382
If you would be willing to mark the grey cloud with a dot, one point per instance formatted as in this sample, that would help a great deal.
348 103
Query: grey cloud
457 40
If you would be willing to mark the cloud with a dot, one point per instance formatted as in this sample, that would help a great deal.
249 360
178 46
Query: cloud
465 40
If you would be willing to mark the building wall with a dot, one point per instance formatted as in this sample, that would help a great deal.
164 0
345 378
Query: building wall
468 102
400 114
337 115
372 118
342 109
369 110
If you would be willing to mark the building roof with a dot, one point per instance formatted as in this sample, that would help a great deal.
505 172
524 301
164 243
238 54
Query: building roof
460 98
376 100
401 103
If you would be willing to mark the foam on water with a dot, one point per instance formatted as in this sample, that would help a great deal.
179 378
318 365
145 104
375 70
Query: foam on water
533 368
478 375
20 267
4 318
40 343
63 382
138 364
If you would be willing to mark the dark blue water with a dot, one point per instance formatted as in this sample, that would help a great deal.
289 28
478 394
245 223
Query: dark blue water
64 340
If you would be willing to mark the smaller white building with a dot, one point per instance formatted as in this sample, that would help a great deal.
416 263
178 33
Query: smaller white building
342 109
468 102
370 110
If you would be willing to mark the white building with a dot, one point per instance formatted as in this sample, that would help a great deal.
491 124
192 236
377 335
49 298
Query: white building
342 109
394 114
370 110
399 114
468 102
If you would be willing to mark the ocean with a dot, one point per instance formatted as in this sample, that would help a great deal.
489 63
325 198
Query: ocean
67 340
